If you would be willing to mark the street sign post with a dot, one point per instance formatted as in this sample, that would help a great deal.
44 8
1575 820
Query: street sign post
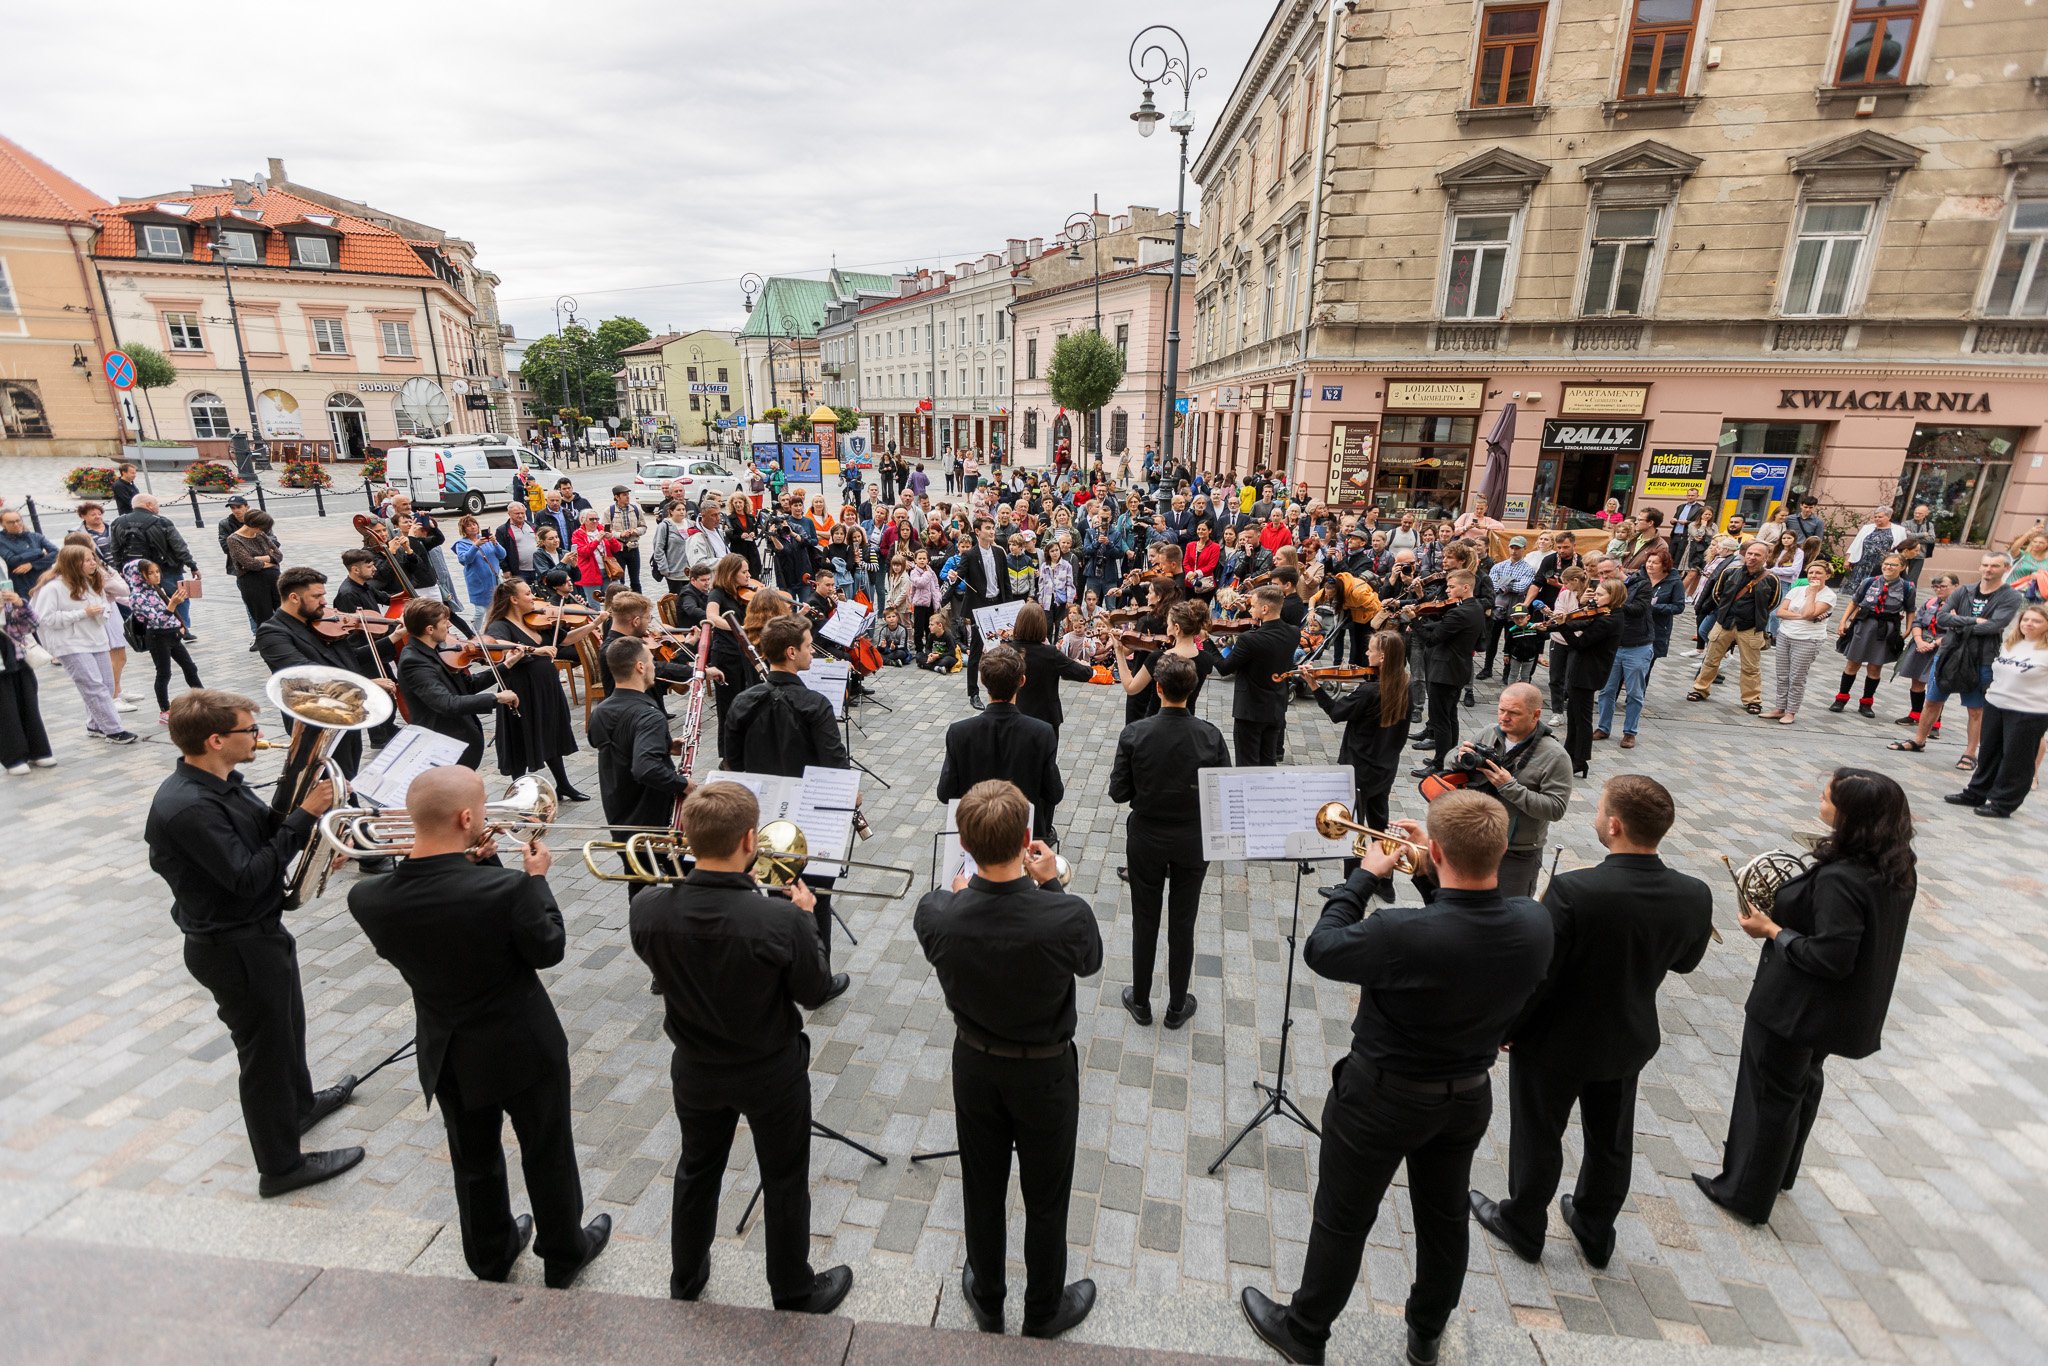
120 370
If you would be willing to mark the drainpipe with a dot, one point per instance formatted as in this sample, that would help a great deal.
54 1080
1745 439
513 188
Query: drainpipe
1310 244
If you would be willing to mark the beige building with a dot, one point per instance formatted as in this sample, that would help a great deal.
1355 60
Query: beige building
1731 248
54 398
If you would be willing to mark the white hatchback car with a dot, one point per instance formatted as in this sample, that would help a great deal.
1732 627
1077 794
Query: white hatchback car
697 476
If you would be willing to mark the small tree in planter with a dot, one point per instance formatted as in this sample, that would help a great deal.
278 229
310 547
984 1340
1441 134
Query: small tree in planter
210 476
306 473
90 481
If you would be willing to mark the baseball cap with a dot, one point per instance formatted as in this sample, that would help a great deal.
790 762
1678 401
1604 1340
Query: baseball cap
1514 541
238 501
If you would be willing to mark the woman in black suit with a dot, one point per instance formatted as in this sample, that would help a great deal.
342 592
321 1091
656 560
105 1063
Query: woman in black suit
1833 939
536 733
1045 664
1593 644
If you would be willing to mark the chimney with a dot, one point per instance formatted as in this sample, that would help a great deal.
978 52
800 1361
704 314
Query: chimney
963 269
277 175
1153 250
989 261
1014 251
1037 246
244 193
1120 223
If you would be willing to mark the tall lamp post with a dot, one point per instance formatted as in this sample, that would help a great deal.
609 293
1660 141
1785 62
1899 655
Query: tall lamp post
259 449
697 364
1081 228
750 287
1153 63
566 305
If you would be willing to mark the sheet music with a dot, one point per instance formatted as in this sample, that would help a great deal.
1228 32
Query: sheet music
831 789
1269 813
414 750
848 620
955 860
828 678
1000 617
828 828
750 781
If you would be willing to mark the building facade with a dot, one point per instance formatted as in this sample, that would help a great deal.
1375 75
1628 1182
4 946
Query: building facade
54 397
1735 250
642 380
705 383
353 335
778 343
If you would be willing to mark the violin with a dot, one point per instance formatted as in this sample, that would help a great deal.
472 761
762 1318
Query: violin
1232 626
1126 616
459 655
1427 609
545 616
1572 618
1138 640
334 625
1330 673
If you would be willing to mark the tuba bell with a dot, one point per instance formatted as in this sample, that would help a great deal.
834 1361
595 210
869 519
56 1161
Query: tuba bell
323 704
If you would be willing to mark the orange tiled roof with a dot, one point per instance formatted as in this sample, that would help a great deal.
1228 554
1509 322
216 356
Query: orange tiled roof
32 188
365 248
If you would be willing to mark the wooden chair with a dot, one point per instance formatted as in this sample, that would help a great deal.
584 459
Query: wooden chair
593 675
666 608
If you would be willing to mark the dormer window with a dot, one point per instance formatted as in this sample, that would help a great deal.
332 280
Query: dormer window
312 251
162 239
236 246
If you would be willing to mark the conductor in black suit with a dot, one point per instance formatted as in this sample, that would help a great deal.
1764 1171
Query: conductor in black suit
982 579
1832 942
1592 1025
637 781
467 936
444 700
1003 743
1258 708
1448 639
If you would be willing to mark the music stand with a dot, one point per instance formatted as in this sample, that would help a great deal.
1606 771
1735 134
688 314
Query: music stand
1277 1101
822 1131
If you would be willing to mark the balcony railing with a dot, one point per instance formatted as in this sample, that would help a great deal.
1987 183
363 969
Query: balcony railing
1620 336
2011 339
1468 337
1810 337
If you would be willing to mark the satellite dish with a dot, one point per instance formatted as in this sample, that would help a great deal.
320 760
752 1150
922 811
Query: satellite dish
424 405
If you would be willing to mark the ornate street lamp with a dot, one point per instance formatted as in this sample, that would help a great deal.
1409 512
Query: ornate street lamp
1153 63
1081 228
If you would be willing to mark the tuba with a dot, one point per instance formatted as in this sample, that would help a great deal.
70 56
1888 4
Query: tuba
324 704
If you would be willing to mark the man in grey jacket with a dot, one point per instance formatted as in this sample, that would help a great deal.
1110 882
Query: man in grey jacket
1533 780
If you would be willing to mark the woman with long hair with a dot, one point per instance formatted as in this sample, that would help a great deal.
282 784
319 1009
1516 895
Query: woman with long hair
743 530
1187 626
1593 645
536 733
1833 937
732 584
72 601
1045 664
2015 718
255 559
1375 719
156 616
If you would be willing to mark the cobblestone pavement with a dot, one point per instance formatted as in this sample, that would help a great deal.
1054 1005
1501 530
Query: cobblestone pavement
1919 1232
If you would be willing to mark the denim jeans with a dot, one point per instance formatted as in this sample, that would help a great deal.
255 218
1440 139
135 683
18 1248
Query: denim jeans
1631 670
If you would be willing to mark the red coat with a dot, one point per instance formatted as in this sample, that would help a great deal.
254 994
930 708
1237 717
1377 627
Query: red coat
1200 560
1274 535
590 555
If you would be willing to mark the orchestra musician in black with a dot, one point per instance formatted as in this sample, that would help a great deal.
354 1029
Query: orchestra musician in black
1448 638
1258 707
1045 664
980 579
288 639
447 700
638 782
1004 743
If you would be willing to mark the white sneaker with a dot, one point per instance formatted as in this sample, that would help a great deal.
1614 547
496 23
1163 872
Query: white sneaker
127 697
44 763
123 704
17 770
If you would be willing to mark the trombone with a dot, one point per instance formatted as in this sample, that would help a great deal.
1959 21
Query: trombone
1334 822
655 856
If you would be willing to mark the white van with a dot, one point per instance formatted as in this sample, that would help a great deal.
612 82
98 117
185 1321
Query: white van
463 474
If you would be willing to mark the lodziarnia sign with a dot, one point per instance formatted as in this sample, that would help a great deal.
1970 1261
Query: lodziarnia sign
1885 400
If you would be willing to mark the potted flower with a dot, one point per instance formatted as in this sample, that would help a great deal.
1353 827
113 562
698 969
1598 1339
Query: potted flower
210 476
373 467
305 473
90 481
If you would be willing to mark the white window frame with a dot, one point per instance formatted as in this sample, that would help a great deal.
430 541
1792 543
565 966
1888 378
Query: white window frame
2031 271
7 303
1509 271
230 237
1271 285
302 241
402 334
192 408
1653 269
149 245
330 329
177 319
1293 283
1859 275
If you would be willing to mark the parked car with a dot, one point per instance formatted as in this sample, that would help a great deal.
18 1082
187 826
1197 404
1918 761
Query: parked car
698 477
665 442
465 476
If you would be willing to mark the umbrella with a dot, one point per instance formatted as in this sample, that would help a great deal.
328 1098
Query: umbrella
1493 485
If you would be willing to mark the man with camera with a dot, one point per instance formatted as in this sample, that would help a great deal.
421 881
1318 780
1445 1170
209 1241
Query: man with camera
1520 762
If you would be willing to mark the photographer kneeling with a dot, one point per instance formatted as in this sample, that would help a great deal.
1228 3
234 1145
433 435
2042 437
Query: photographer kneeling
1520 762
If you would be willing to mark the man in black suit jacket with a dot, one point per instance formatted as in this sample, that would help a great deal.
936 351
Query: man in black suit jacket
1004 743
444 701
288 638
1449 638
1258 708
637 781
467 937
1592 1026
982 579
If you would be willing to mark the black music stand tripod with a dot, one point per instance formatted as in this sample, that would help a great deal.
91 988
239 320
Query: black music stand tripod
822 1131
1277 1101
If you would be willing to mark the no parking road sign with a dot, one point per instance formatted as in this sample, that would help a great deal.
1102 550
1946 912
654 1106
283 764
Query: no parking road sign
120 370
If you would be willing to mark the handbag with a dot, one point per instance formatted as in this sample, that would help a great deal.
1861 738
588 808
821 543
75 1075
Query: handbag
37 656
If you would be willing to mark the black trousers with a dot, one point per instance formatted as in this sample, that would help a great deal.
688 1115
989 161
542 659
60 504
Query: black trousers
258 588
629 560
1370 1129
1033 1104
1777 1094
547 1154
167 648
1540 1101
1258 743
1154 872
1443 718
973 655
22 736
255 984
775 1097
1352 636
1578 725
1496 627
2006 747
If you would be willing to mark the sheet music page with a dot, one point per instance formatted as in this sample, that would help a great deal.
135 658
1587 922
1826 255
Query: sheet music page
1000 617
1269 813
828 679
955 860
848 620
412 751
831 789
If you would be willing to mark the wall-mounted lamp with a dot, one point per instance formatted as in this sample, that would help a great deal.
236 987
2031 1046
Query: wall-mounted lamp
78 359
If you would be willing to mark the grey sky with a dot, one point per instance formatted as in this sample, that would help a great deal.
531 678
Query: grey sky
647 157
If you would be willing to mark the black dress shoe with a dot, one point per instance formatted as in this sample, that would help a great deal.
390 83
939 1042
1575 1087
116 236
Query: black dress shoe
1470 699
1075 1303
1488 1214
976 703
327 1102
1962 799
836 987
1598 1250
1997 813
1706 1185
1423 771
827 1291
695 1288
1141 1011
522 1234
1269 1321
1423 741
596 1234
1483 674
570 794
1329 890
986 1319
1422 1350
1176 1016
313 1168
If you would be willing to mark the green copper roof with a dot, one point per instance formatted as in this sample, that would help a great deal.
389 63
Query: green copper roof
790 306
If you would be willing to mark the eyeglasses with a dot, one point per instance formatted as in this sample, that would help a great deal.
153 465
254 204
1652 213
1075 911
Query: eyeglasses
243 730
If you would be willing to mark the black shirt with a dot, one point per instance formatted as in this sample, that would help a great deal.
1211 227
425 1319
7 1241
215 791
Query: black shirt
726 651
636 779
732 966
1007 954
223 852
1441 983
360 597
1372 750
1157 764
781 727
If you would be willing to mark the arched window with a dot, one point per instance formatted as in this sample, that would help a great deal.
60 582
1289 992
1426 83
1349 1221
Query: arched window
209 417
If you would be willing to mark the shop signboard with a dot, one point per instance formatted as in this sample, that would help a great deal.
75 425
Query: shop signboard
1351 453
1436 395
1674 473
1604 400
1594 438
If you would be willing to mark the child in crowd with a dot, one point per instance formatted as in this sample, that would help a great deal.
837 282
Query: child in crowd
894 639
1023 569
941 658
1077 642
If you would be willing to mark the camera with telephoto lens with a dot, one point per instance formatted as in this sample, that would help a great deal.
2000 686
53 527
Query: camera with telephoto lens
1477 757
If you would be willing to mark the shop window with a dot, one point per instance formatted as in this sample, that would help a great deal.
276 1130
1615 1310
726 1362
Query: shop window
1618 269
1799 442
1480 244
1822 281
1659 48
1423 462
1877 44
2020 286
1510 41
209 417
1960 472
21 409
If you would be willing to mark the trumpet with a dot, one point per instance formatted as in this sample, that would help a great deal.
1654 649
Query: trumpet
1334 822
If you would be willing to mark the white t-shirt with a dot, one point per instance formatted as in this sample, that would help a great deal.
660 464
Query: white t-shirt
1801 600
2019 678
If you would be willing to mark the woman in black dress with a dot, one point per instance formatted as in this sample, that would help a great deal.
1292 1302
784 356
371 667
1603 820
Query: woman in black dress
1593 645
1832 942
1187 627
1375 719
1045 664
732 583
536 733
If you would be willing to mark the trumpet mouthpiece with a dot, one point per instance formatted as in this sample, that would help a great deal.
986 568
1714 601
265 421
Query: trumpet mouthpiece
268 744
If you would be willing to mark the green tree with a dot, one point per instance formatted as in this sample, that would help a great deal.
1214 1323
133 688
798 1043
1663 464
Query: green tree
1085 371
153 370
575 365
614 335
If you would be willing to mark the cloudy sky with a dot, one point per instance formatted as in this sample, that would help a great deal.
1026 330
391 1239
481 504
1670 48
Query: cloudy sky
639 156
